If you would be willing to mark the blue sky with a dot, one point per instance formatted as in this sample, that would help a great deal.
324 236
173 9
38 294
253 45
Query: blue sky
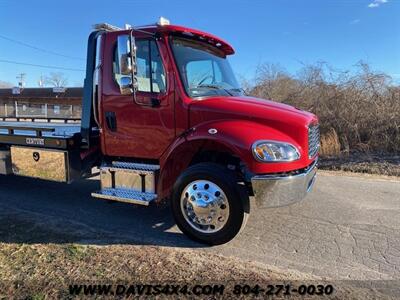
287 32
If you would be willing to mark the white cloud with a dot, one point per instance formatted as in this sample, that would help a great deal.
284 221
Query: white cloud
355 21
377 3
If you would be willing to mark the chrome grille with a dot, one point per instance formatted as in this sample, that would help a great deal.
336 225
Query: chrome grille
313 140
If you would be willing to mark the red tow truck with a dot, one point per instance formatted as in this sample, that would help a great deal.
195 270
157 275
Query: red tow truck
164 119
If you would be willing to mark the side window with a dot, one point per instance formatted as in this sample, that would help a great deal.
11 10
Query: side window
157 69
143 66
150 70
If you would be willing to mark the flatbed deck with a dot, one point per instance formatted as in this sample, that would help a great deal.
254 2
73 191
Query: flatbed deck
38 134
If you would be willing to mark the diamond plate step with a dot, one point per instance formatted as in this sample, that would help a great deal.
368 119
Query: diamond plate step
125 195
135 166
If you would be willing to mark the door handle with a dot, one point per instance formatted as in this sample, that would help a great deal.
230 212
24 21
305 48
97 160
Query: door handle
111 120
155 102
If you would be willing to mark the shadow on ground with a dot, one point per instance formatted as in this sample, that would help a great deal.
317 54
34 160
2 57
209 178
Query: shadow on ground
35 211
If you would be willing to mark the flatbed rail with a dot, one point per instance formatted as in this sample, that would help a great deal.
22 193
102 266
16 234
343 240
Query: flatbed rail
39 130
40 119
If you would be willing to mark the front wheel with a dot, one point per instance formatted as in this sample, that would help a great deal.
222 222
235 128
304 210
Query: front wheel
208 204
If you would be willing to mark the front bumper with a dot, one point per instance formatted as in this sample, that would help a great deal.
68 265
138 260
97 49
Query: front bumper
282 190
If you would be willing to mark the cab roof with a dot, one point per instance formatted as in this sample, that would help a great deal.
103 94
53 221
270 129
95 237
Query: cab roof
190 33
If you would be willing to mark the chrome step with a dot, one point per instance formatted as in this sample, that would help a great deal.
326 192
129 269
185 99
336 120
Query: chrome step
125 195
129 176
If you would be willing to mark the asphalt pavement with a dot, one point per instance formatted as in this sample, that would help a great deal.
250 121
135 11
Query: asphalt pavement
348 228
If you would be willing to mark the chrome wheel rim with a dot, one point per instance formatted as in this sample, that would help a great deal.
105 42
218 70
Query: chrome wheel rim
204 206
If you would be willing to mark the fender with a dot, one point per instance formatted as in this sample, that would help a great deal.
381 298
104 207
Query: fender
233 136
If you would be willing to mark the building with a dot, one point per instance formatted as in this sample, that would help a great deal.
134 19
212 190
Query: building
41 103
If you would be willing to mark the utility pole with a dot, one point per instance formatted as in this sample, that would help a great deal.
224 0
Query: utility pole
21 80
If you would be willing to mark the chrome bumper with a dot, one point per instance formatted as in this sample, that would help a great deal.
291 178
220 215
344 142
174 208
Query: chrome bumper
275 191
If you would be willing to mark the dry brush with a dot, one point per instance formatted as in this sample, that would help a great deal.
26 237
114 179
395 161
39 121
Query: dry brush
358 110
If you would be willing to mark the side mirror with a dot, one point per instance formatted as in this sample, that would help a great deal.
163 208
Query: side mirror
125 85
126 64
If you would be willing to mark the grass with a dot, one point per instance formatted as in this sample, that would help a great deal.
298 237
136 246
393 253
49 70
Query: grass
330 144
45 270
44 262
74 251
37 297
49 269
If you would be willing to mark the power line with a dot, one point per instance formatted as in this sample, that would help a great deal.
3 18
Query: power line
40 66
39 49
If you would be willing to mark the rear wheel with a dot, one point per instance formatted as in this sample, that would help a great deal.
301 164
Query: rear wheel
208 204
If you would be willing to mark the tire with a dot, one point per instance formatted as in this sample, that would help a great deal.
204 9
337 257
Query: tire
206 181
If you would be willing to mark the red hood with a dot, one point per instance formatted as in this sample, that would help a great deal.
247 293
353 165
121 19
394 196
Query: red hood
267 103
241 121
256 119
248 106
282 117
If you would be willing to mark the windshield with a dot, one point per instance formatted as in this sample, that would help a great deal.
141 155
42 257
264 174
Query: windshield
204 69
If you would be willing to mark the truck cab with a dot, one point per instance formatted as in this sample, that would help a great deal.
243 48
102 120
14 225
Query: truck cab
164 119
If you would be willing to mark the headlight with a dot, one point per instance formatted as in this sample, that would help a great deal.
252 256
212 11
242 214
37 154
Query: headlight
273 151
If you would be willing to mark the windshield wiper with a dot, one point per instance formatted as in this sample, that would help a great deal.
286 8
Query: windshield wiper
214 86
240 90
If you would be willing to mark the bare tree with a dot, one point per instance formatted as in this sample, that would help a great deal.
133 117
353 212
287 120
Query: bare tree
56 80
273 82
5 84
359 109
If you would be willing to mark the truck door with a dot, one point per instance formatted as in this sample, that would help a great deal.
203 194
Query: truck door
141 126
